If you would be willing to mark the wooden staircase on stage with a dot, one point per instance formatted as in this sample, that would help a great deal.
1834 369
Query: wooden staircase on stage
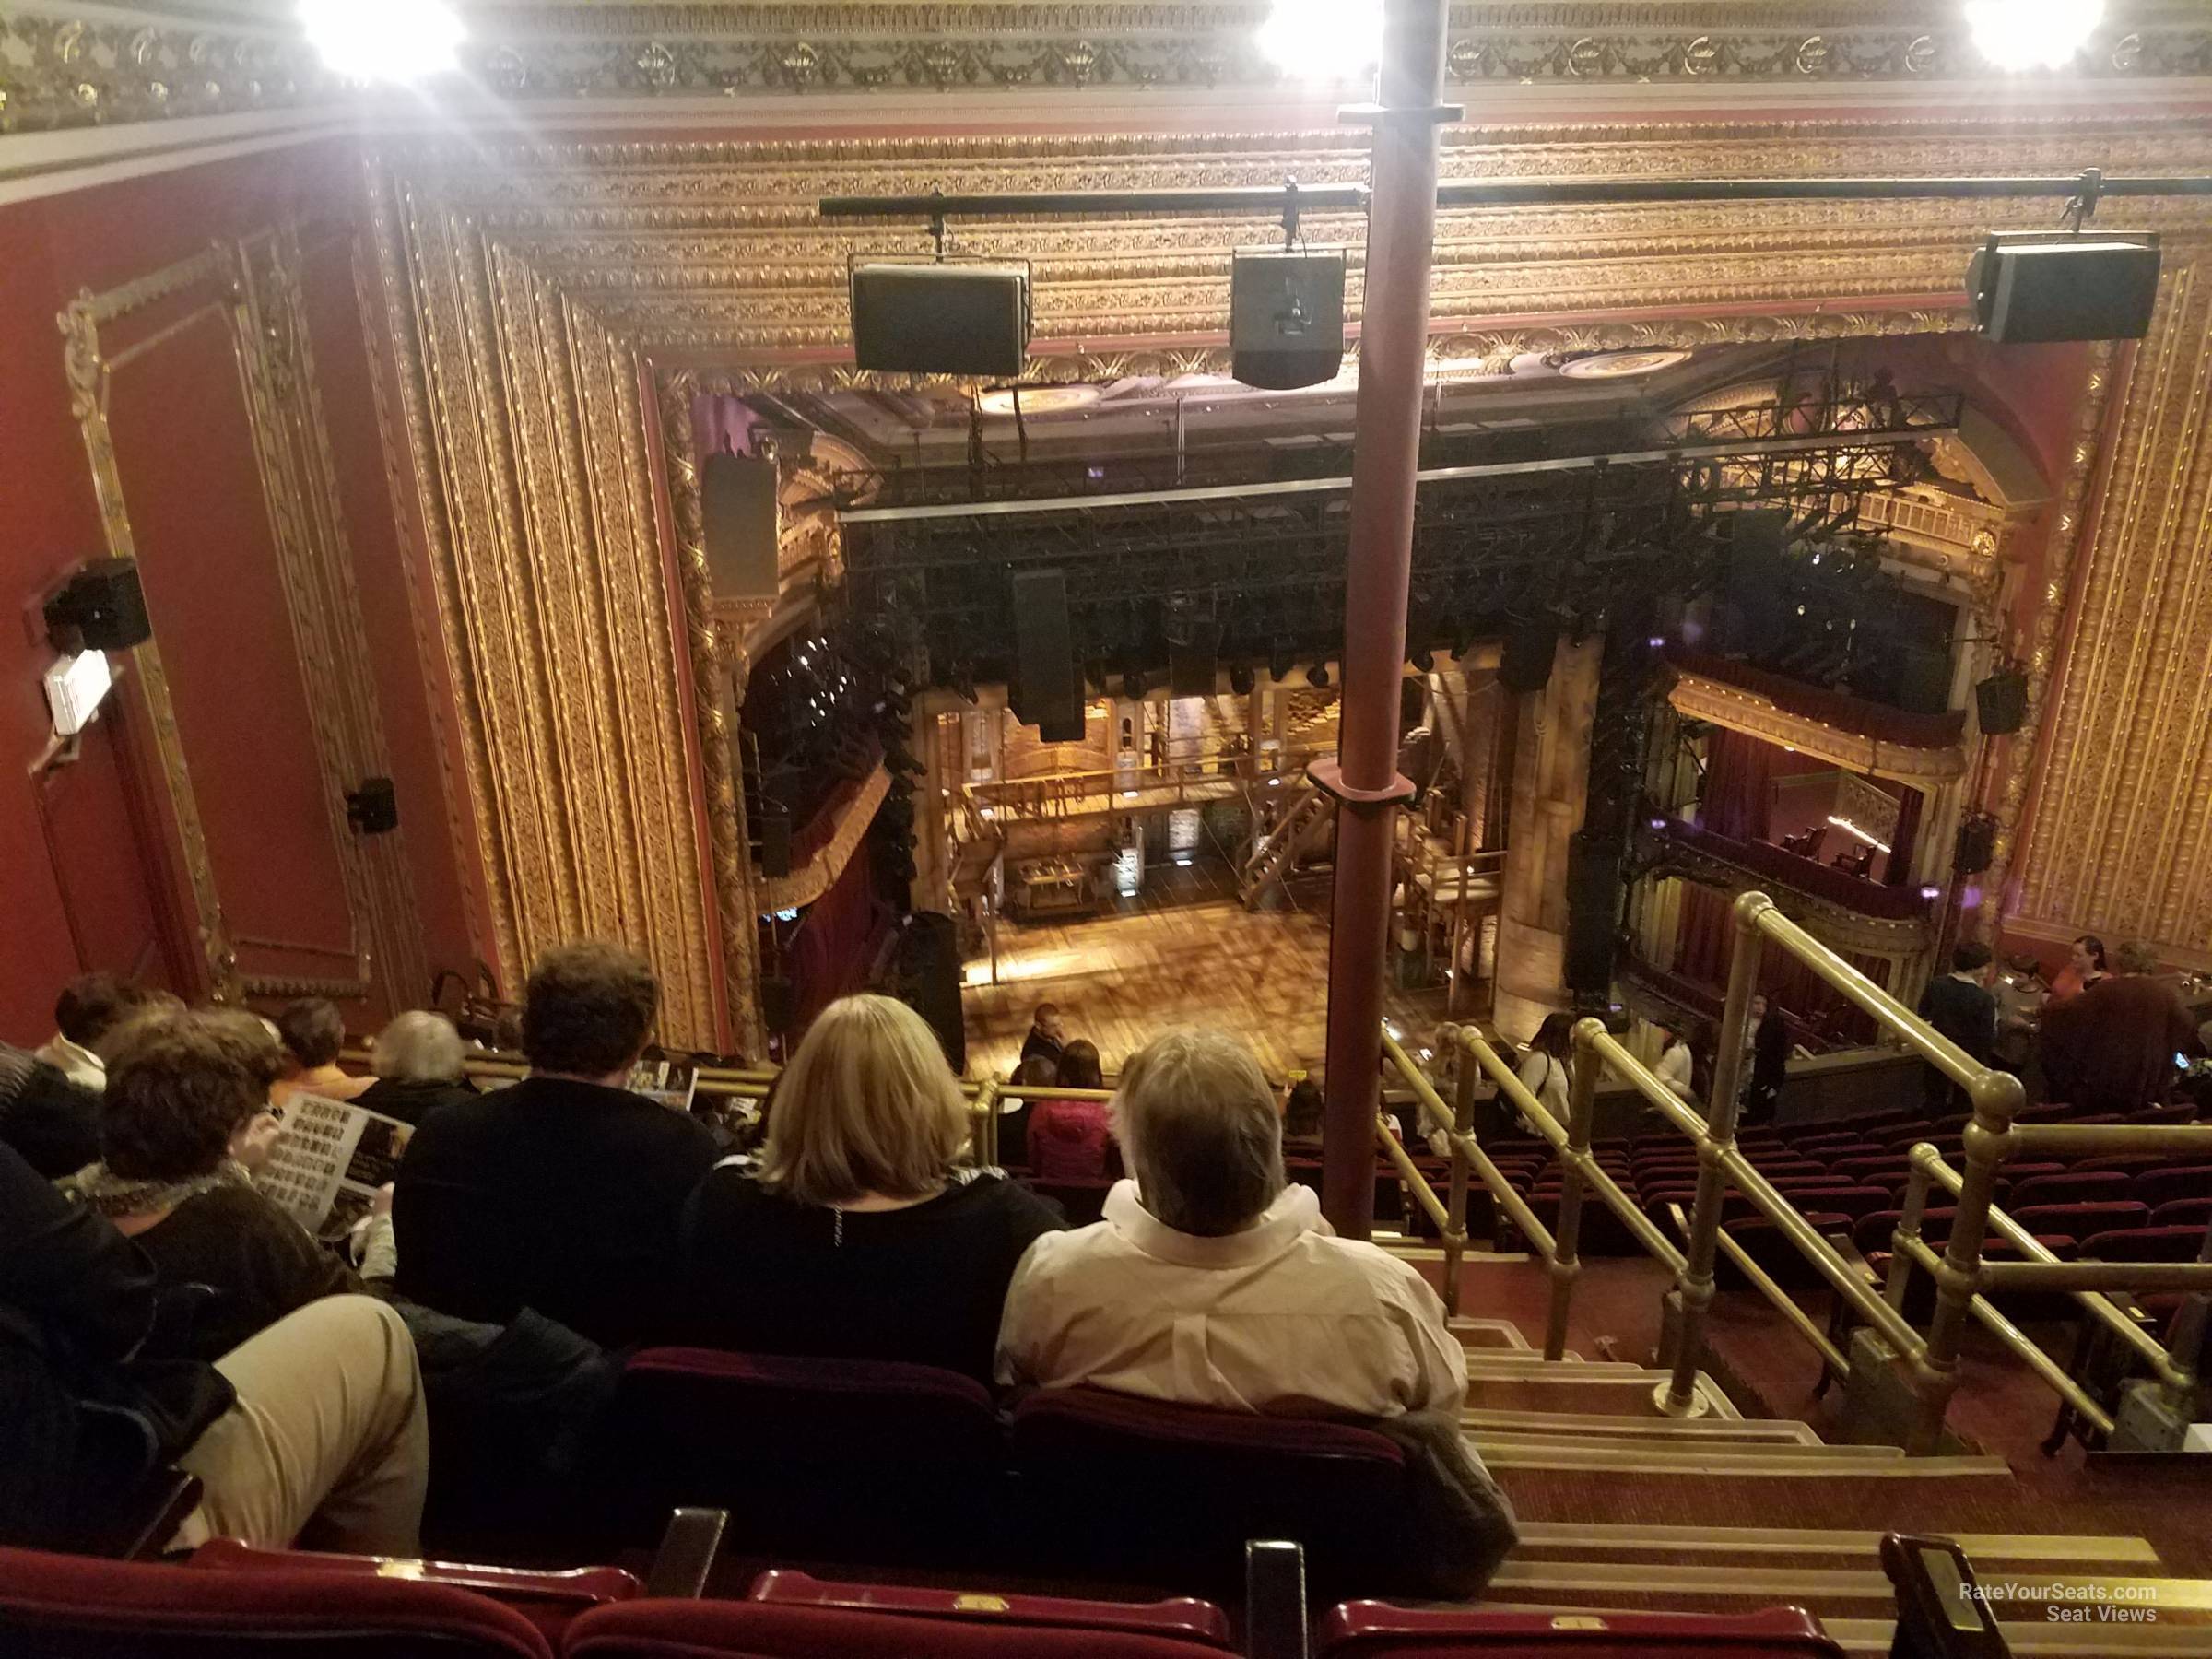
1275 855
1718 1513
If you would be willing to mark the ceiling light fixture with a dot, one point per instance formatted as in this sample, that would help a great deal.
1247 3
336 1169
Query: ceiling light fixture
397 41
1327 41
2018 35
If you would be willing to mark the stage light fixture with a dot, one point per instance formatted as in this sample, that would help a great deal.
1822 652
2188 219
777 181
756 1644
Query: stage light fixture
397 41
1241 678
1318 676
1133 686
2018 35
1327 41
1281 658
1423 660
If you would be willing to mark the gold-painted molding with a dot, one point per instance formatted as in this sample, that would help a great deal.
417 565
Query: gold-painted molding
61 68
252 288
1747 712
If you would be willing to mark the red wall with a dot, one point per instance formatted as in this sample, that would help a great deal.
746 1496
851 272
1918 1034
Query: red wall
86 875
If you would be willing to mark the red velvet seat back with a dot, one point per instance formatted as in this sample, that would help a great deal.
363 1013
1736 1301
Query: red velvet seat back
2147 1244
79 1608
2099 1187
751 1629
856 1460
1371 1631
2167 1187
1184 1618
1153 1490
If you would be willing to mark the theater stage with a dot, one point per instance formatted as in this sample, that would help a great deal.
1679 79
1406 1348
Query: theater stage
1185 952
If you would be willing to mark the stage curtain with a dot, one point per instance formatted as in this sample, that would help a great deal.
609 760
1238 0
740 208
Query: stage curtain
830 951
1705 937
1739 785
1703 934
1903 842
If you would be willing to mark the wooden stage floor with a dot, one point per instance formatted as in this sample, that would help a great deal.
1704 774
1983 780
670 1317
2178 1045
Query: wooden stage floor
1183 953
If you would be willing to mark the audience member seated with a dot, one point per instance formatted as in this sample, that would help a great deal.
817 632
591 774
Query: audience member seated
1963 1008
2086 965
1302 1113
1069 1139
864 1234
317 1419
417 1062
1214 1283
1016 1115
562 1192
89 1008
53 1122
1047 1037
1674 1066
2113 1048
313 1031
185 1120
1544 1068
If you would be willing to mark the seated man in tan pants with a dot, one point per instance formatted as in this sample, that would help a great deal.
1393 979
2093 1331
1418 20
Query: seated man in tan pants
312 1429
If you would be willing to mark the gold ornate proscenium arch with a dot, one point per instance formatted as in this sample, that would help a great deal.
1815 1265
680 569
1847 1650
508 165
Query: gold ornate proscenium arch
526 288
253 288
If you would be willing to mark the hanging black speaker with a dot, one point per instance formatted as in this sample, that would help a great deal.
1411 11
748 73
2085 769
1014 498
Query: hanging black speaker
1286 318
373 808
1977 844
2001 703
101 607
1525 664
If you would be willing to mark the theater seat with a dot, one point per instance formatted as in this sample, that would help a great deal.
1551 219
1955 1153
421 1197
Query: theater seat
2146 1244
1100 1476
2079 1221
2184 1212
2165 1186
2101 1187
1367 1630
853 1459
757 1630
81 1608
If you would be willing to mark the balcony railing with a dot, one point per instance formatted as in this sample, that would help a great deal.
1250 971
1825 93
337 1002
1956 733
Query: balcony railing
1767 862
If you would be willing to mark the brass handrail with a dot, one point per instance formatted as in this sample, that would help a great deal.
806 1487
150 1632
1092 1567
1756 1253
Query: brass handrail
1467 1157
1416 1182
1830 1355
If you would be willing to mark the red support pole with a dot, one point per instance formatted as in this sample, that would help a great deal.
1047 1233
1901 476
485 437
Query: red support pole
1393 341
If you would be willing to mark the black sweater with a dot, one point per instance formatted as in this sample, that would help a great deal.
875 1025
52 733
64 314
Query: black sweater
926 1283
553 1194
257 1261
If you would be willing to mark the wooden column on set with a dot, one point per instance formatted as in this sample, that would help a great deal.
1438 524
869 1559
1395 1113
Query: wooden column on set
1551 785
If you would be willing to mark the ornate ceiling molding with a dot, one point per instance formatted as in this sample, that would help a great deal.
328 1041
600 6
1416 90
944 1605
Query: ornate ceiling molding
64 66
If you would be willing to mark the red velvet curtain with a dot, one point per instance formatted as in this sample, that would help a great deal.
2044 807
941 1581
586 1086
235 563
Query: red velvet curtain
1705 936
830 954
1739 785
1909 804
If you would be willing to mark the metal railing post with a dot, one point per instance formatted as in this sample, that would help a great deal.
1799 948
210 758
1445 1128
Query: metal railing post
1574 1161
1693 1291
1907 1230
1997 1097
1463 1125
986 1126
2185 1343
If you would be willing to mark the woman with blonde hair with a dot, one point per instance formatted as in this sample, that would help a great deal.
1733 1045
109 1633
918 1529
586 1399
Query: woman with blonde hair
863 1231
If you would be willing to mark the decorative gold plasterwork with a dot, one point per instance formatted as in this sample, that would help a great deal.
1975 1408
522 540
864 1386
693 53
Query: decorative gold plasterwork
62 69
253 287
1833 925
707 263
1742 710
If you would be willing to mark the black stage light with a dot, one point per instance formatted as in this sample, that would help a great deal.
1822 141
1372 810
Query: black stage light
1423 660
963 681
1281 658
1133 686
1241 678
1318 676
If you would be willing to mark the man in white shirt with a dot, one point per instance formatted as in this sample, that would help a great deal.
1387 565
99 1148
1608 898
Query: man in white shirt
89 1006
1211 1281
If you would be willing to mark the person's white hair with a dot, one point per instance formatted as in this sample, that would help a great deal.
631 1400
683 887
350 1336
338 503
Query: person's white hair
418 1047
1199 1127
